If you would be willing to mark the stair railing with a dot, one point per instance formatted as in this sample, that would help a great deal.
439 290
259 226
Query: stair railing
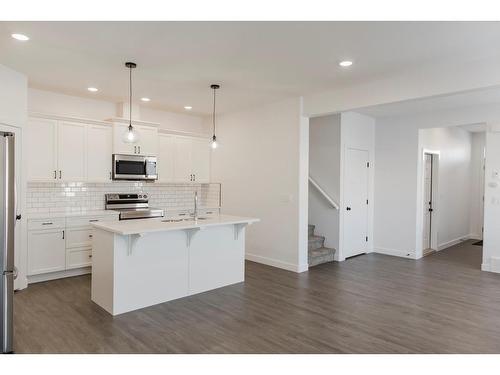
323 193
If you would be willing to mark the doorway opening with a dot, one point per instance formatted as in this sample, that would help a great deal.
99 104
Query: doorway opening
429 201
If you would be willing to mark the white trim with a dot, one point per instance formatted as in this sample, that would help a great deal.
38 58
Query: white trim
491 265
50 116
323 193
122 120
276 263
59 275
394 252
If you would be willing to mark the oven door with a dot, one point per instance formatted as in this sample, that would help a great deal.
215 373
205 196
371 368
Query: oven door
128 167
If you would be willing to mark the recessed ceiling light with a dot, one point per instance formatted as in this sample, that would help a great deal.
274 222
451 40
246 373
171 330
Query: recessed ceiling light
20 37
145 99
345 63
93 89
188 107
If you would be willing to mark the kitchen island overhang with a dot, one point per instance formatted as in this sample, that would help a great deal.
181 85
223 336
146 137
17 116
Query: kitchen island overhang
140 263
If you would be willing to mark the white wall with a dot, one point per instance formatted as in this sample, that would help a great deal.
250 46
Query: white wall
13 97
73 106
260 167
453 199
491 248
324 168
357 131
477 184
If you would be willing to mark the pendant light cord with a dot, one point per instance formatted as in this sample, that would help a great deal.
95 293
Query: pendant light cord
213 114
130 97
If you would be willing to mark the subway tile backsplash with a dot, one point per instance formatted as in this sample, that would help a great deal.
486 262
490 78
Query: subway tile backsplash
78 196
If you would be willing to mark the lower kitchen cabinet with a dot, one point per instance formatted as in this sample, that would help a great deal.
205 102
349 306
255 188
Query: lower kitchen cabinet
59 245
46 251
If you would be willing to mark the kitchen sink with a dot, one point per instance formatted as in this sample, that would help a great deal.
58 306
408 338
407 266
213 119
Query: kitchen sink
181 220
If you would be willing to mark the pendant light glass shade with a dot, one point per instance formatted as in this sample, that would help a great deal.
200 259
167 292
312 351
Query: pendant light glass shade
130 135
213 142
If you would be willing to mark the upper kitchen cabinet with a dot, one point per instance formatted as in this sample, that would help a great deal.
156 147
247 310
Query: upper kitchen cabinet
63 149
146 145
192 159
166 161
99 151
41 149
71 151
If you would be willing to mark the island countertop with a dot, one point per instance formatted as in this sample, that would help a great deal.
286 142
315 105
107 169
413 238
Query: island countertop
140 226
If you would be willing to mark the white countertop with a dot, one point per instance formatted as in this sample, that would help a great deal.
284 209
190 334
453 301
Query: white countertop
82 213
140 226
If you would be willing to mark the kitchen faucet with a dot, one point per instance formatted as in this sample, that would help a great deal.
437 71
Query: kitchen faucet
195 213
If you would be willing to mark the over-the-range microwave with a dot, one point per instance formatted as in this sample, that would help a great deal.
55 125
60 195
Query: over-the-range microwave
134 167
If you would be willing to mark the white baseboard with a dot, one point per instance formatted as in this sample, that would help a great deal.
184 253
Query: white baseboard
448 244
276 263
58 275
394 252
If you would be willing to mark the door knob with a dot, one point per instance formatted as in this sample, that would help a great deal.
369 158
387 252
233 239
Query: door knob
348 208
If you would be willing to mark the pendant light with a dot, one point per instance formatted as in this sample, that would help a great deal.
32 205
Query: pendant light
213 143
130 135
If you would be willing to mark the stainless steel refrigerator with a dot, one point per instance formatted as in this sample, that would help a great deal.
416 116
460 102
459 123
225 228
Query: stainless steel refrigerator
7 222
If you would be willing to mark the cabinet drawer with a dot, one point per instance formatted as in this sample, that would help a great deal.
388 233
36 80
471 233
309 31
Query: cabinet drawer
42 224
85 221
78 237
78 258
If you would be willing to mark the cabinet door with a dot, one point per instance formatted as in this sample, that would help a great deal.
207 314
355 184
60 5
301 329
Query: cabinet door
71 151
41 149
99 153
166 158
46 251
200 159
148 140
182 157
120 147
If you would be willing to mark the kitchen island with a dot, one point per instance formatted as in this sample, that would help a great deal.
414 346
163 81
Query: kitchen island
139 263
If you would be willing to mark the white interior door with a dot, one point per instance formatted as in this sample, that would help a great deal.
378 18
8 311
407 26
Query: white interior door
427 203
356 202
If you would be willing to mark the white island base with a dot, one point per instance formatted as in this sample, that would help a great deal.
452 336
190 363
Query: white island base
141 263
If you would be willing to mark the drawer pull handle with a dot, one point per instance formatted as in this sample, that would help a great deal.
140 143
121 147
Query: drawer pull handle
90 256
91 221
47 223
90 236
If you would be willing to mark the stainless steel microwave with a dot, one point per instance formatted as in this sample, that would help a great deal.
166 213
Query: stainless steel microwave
134 167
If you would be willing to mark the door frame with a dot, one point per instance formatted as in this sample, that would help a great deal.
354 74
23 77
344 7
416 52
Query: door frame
436 154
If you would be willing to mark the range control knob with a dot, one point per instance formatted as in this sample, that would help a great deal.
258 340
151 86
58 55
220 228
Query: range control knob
145 196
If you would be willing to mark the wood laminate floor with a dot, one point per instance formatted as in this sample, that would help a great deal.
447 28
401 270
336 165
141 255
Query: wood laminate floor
373 303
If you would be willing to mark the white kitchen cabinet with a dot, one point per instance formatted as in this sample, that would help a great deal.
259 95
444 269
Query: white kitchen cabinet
182 155
146 145
71 151
41 149
200 160
99 153
166 161
148 140
192 160
46 251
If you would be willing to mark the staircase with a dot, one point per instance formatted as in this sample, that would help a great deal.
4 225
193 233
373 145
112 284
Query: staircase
317 252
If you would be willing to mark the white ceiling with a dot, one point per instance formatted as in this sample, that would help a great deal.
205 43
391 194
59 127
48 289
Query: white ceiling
255 62
439 103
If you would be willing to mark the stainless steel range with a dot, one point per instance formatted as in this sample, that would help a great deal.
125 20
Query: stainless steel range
132 206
